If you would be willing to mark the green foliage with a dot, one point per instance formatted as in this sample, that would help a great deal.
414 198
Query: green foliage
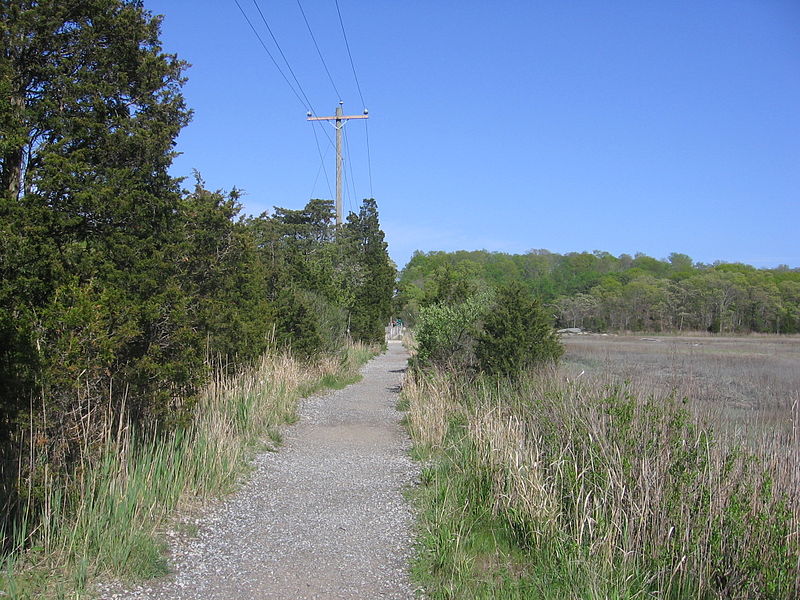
371 304
599 291
296 325
89 219
103 525
223 274
445 333
516 334
504 332
346 274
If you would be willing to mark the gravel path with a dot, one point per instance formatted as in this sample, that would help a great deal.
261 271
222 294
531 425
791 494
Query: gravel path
322 518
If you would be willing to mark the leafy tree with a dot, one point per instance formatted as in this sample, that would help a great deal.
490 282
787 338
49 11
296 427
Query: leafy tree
115 285
89 295
650 265
453 284
299 251
680 262
296 325
303 236
574 310
788 318
222 273
517 334
346 275
627 293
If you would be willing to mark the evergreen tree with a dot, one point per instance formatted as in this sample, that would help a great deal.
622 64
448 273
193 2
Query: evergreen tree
516 335
301 258
297 325
89 110
222 273
372 299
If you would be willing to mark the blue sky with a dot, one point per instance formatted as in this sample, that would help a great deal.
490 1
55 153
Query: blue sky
635 126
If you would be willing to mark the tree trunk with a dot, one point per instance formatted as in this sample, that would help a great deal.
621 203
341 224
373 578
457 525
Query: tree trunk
11 172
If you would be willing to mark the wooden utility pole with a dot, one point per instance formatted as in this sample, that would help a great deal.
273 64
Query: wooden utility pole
339 119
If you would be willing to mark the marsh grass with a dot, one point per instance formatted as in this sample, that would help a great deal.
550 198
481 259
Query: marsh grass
103 521
744 385
594 487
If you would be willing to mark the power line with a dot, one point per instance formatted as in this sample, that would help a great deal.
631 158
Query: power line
272 58
327 135
274 39
314 39
352 65
340 119
321 164
364 104
347 192
304 99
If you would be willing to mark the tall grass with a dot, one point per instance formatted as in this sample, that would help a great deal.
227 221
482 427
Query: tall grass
102 521
556 487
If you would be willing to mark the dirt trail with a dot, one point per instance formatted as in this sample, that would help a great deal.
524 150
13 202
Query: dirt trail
322 518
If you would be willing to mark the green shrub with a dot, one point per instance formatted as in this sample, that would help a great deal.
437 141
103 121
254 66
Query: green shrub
446 333
296 323
516 334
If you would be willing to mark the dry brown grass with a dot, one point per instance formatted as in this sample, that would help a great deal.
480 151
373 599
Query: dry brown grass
745 384
431 406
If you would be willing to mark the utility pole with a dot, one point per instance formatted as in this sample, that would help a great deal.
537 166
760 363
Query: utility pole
339 119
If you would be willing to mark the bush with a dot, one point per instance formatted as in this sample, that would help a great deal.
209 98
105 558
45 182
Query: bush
296 324
446 333
516 334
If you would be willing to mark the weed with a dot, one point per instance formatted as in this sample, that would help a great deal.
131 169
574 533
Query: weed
275 436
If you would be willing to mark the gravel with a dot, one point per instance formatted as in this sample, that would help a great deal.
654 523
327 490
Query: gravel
324 517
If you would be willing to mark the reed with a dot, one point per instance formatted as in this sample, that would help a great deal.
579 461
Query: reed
559 486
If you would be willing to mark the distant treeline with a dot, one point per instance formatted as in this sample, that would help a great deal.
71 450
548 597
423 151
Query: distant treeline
118 290
600 291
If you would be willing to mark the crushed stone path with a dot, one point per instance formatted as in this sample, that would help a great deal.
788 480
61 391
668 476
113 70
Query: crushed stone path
324 517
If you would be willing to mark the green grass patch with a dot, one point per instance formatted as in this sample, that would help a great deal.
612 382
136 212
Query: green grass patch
467 551
331 381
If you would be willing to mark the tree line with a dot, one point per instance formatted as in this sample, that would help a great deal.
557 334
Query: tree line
119 289
600 291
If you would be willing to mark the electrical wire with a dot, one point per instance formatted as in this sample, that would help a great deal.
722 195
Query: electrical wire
319 52
347 45
307 103
321 164
347 195
272 58
363 104
303 97
288 66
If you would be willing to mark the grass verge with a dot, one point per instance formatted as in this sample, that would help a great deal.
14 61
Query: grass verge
103 521
552 488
